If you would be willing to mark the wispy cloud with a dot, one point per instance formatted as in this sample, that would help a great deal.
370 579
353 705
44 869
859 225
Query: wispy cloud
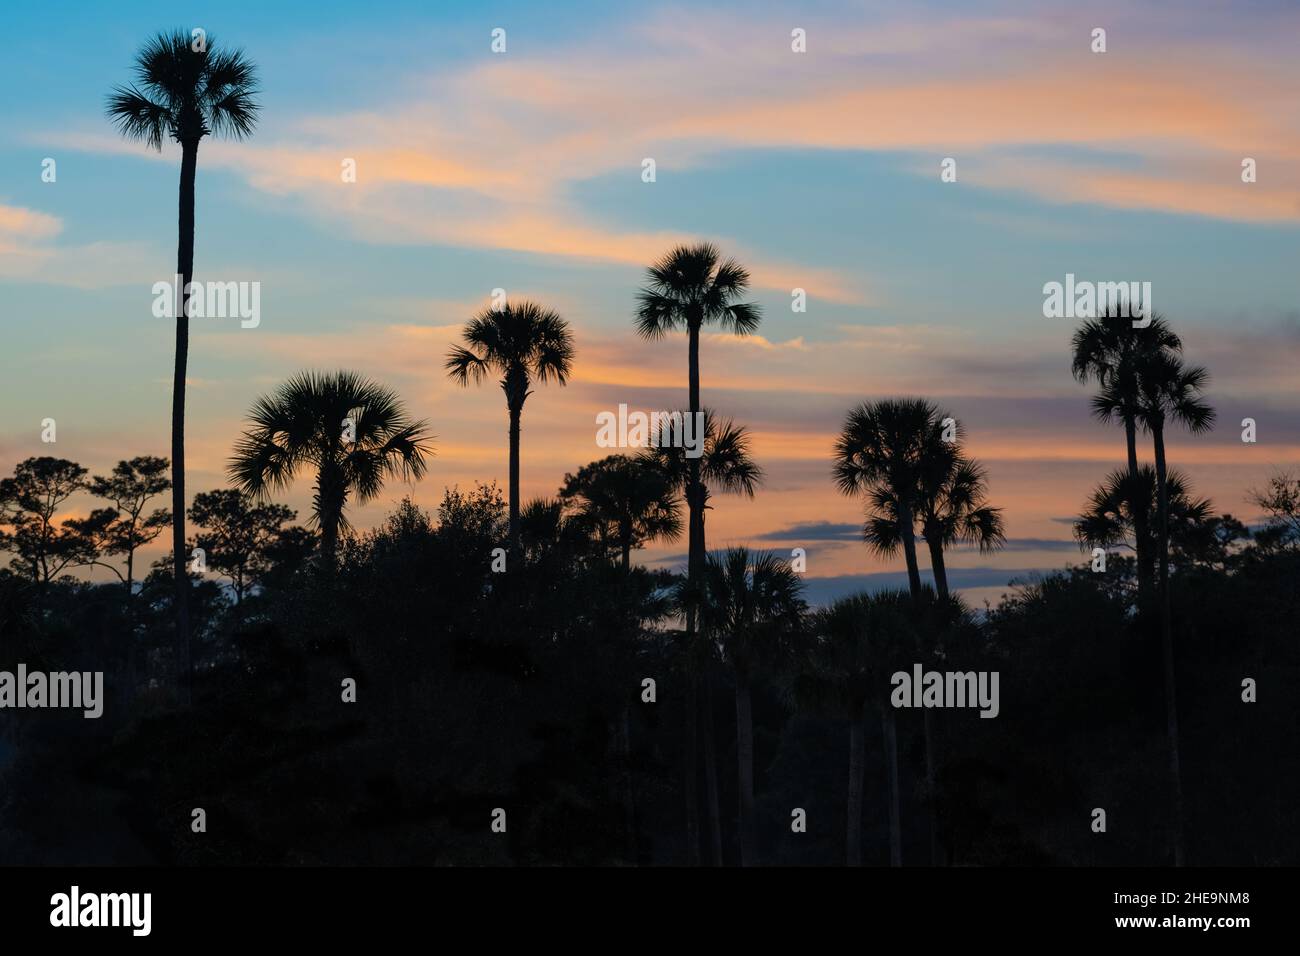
823 590
815 531
494 153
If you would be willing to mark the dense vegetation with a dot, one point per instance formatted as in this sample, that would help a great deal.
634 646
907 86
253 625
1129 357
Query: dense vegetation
523 690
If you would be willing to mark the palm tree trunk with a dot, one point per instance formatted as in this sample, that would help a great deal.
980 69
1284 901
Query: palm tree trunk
857 759
745 760
906 529
185 269
329 538
329 494
939 568
710 754
694 566
1140 528
711 770
695 498
515 413
1167 641
906 532
890 731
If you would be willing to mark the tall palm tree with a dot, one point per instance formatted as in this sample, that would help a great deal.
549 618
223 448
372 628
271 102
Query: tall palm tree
626 501
522 343
1169 391
688 289
724 465
860 641
184 94
752 605
884 450
354 432
1110 350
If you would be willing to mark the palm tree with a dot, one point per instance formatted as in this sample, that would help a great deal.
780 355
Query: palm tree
1109 519
860 642
354 432
752 604
548 530
951 510
884 450
1109 350
954 511
1168 392
522 343
724 464
689 288
626 501
184 93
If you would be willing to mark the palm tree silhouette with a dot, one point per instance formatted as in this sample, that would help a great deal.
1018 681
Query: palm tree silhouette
1111 519
354 432
884 450
950 509
860 641
184 93
688 289
522 343
1109 350
725 465
752 605
626 502
1168 392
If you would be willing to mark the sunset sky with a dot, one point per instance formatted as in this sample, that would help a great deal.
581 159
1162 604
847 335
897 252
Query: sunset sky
818 170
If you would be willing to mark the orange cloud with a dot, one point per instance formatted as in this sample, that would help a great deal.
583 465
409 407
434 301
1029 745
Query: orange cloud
493 154
15 221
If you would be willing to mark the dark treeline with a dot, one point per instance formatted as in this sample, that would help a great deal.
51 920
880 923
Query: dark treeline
522 689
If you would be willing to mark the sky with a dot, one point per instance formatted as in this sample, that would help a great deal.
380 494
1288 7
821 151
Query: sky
819 170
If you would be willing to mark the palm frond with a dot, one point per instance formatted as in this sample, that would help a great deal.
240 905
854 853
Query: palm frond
727 463
463 366
139 118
